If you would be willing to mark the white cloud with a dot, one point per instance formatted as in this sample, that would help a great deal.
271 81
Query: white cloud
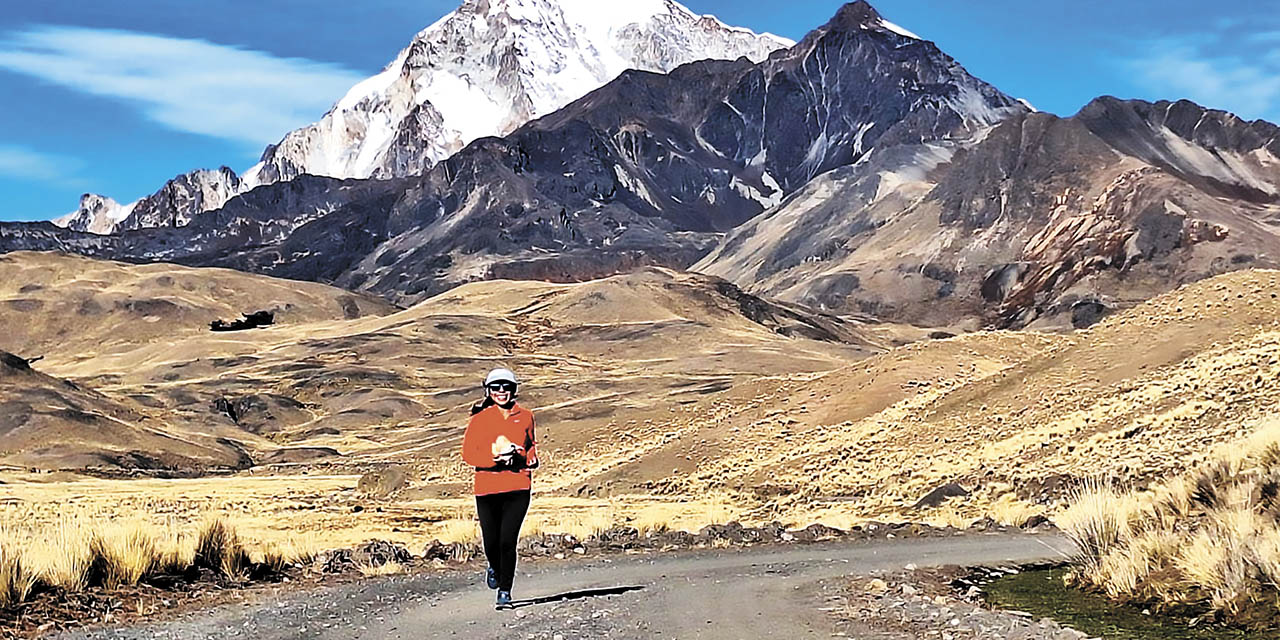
1182 68
193 86
1264 37
28 164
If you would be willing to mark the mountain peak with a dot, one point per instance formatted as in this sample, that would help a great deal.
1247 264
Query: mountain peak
861 16
490 66
857 14
96 214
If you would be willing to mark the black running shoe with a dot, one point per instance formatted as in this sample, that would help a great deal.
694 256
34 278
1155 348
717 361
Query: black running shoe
491 578
504 600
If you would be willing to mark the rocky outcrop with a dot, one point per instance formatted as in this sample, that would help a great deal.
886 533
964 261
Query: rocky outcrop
183 198
96 214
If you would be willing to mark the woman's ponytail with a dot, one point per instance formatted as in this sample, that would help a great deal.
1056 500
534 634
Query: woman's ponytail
482 405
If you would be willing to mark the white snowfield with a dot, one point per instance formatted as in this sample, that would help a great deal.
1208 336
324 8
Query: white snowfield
489 67
484 69
100 214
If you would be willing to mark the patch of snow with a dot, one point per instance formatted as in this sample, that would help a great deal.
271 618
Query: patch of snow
634 186
975 109
751 193
1227 166
857 139
898 30
371 86
915 171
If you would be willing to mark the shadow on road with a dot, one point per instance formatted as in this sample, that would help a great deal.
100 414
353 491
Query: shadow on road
573 595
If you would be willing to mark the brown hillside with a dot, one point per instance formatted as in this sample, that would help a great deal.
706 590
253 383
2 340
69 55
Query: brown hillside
52 302
396 387
1147 392
43 418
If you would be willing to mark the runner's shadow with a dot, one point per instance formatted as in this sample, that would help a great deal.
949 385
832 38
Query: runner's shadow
573 595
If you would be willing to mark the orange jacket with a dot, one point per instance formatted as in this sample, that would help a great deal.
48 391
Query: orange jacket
477 449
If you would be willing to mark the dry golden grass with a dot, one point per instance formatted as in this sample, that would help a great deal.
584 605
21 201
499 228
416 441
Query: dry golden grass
1098 520
451 531
949 516
218 547
385 569
17 577
63 555
1010 510
123 554
73 555
1209 541
580 524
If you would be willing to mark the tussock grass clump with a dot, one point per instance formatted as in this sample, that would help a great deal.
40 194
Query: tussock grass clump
17 577
276 557
63 556
72 556
122 556
388 568
1205 543
218 548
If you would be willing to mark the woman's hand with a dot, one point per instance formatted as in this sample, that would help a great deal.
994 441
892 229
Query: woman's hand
512 458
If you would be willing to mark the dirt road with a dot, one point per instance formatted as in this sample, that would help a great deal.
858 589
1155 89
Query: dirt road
762 592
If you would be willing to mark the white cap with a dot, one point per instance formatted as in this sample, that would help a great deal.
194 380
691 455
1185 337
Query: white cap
500 375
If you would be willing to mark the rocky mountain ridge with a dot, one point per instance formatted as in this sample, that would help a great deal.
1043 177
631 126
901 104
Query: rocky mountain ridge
1048 219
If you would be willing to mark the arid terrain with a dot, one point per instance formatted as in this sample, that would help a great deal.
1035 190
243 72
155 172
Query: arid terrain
662 398
342 384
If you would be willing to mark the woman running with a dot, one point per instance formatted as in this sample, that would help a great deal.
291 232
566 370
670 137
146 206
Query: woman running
500 444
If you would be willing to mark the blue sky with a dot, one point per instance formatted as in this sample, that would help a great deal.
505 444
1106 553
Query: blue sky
115 98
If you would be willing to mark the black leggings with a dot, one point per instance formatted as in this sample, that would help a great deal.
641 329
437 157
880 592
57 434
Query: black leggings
501 515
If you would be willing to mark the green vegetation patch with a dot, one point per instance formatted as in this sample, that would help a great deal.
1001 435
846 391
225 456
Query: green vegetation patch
1045 594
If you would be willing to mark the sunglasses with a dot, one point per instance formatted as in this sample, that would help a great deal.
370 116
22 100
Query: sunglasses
502 386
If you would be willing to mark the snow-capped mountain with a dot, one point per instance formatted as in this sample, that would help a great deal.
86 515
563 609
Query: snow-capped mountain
97 214
482 70
489 67
174 205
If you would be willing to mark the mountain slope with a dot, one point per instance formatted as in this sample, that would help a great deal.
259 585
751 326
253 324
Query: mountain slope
1042 220
46 422
481 70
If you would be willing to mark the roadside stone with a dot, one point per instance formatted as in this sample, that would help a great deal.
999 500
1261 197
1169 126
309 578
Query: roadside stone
940 495
1036 521
453 552
375 553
